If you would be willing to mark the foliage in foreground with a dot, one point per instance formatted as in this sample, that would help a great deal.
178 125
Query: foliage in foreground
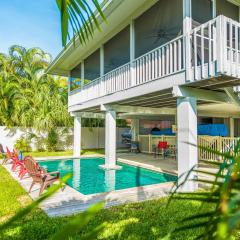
144 220
222 222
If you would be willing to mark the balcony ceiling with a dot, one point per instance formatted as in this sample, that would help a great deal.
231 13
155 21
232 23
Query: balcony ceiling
119 14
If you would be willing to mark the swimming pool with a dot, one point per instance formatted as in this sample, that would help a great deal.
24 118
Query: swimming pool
88 178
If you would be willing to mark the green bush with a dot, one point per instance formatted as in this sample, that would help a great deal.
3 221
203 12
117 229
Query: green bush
22 144
52 140
40 144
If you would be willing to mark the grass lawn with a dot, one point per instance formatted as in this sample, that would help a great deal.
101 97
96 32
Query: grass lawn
64 153
146 220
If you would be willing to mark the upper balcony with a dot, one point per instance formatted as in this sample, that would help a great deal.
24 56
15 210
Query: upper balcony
208 51
148 46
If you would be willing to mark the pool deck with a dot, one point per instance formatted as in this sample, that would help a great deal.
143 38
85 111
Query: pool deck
159 164
69 201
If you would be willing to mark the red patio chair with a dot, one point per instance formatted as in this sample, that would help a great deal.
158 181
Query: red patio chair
23 170
162 147
44 179
7 155
16 162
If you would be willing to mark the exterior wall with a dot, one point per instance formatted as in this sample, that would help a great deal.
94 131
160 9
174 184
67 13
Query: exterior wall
91 138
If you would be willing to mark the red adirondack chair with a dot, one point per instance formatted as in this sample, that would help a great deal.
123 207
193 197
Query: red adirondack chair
44 179
16 162
7 156
23 170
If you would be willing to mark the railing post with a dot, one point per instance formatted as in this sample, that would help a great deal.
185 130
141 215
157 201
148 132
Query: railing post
150 143
220 43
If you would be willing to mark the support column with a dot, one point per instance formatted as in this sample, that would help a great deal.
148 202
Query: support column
214 8
76 173
82 74
132 52
110 141
77 137
110 180
231 127
135 129
101 61
187 141
187 27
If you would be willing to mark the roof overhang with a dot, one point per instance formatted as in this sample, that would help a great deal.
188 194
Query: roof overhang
119 14
236 2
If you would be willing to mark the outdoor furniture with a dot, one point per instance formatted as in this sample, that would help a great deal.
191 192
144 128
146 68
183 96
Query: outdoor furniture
23 170
16 162
134 147
5 154
43 178
161 148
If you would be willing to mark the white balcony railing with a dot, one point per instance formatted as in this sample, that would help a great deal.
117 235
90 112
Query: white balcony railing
215 49
160 62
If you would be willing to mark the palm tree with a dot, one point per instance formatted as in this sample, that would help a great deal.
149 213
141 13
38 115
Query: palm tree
9 90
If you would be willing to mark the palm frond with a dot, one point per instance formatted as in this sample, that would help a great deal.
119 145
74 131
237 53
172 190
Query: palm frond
79 19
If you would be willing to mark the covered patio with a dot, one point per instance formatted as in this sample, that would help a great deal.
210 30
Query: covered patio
159 164
185 117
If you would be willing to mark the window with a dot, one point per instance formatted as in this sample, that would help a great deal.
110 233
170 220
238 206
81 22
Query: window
201 11
158 25
75 77
117 50
228 9
92 67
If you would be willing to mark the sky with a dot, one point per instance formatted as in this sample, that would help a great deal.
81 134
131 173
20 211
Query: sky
30 23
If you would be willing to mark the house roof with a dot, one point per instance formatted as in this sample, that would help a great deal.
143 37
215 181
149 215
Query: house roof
118 13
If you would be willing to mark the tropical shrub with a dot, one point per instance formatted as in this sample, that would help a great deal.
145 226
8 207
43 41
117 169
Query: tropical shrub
52 140
40 144
23 144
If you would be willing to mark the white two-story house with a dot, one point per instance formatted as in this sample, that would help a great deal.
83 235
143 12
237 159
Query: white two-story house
156 57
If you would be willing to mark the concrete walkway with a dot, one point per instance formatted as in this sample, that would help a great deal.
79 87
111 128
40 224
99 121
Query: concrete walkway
159 164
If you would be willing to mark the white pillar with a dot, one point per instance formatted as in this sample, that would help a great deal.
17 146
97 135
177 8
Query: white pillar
77 137
110 141
132 51
214 8
110 180
187 27
135 129
187 140
82 74
76 173
231 126
101 61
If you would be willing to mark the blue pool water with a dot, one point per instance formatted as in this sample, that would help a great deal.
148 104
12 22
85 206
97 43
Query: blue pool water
88 178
